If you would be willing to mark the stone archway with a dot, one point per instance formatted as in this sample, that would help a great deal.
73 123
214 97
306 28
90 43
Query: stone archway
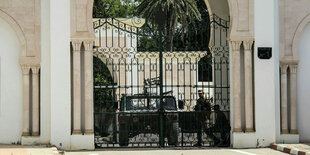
11 91
241 37
289 79
299 71
297 35
17 29
302 73
29 67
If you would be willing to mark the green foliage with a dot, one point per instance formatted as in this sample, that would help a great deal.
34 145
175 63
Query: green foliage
186 22
197 34
175 11
103 97
148 44
205 69
102 77
115 8
170 14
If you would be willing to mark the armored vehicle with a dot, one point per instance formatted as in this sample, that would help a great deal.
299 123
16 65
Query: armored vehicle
139 114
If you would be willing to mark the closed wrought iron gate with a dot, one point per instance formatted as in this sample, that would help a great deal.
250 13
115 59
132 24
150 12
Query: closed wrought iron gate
130 110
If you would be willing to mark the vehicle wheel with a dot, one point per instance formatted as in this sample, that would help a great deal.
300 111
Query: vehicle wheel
123 135
173 135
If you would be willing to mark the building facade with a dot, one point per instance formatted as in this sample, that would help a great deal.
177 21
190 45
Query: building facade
47 92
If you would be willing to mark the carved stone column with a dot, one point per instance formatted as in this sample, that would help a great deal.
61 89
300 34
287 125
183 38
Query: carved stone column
88 58
35 101
26 93
236 85
293 99
248 86
77 87
284 125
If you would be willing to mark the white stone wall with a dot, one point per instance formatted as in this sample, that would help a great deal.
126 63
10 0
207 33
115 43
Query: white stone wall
60 73
265 18
45 73
265 71
10 85
294 16
303 86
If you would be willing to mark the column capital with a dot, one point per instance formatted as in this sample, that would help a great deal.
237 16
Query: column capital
248 45
25 69
88 44
236 45
35 69
284 69
293 69
76 45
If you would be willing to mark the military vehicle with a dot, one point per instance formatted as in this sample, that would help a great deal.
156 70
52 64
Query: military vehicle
139 114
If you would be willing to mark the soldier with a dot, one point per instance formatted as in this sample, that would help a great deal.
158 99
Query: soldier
221 126
203 108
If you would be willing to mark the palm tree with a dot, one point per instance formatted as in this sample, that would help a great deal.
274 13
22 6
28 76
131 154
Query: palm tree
174 13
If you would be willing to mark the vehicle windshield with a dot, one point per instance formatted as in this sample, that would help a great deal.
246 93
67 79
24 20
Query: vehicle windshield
150 103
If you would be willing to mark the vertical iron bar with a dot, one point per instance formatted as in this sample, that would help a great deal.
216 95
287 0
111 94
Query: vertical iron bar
161 110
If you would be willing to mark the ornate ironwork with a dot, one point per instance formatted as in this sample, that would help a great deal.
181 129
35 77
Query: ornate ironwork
126 71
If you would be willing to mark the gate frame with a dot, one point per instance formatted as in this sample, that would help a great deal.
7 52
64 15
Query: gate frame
241 30
107 25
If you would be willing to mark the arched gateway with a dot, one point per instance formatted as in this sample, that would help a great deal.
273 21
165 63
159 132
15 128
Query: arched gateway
130 109
192 61
52 114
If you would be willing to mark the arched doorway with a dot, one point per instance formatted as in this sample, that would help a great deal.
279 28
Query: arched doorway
11 98
132 47
303 75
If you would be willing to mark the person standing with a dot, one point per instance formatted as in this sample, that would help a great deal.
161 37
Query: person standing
203 112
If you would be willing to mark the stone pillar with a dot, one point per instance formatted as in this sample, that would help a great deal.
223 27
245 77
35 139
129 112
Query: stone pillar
248 86
35 101
236 85
88 74
77 87
26 94
284 125
293 99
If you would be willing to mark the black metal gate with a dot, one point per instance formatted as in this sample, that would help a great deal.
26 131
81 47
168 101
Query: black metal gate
130 110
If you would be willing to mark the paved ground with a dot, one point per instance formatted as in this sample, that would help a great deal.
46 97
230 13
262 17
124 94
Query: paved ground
37 150
262 151
302 147
26 150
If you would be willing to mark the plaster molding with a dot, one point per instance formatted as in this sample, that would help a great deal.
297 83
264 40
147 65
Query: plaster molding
76 45
284 69
81 20
294 17
236 45
30 61
247 44
26 22
210 10
35 69
88 45
241 13
293 68
26 69
90 6
297 35
18 30
289 61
